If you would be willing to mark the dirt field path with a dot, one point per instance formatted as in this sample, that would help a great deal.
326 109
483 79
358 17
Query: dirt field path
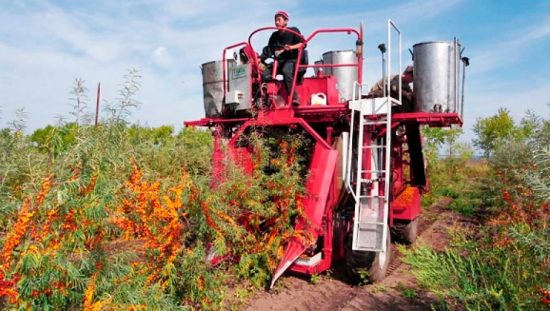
398 291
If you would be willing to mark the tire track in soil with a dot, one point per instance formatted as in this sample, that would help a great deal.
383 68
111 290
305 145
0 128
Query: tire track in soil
334 293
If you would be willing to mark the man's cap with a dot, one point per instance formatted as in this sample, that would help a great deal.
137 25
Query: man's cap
281 13
409 69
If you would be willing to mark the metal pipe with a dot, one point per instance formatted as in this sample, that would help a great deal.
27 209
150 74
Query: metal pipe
388 67
400 71
350 153
359 47
449 76
345 162
456 73
382 48
465 63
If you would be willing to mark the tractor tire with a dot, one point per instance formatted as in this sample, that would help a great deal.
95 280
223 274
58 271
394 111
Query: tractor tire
405 231
371 267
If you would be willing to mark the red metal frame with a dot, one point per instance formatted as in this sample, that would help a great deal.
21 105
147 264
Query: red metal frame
428 118
323 198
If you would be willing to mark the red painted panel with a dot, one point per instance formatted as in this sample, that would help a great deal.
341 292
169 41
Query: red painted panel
322 168
309 225
314 85
406 205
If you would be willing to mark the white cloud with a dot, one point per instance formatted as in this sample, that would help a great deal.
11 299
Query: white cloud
44 46
162 57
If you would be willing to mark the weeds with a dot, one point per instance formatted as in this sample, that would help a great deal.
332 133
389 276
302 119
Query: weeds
407 292
121 109
378 288
90 227
80 103
314 279
502 265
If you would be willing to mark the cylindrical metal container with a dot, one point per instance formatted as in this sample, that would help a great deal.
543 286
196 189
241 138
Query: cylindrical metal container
345 76
436 69
212 87
319 70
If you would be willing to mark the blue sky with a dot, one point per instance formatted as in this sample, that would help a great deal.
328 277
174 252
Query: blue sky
45 45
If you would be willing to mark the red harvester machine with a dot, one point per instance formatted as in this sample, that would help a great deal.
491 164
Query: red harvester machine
366 171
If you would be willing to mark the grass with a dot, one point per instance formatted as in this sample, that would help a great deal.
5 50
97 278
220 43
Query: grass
503 263
407 291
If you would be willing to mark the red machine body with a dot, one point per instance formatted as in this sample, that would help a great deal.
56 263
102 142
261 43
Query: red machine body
328 207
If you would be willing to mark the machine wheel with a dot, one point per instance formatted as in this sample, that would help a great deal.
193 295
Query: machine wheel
405 231
367 266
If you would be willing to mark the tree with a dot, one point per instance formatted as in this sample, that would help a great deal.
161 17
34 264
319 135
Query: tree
121 110
20 123
493 130
437 137
55 139
80 102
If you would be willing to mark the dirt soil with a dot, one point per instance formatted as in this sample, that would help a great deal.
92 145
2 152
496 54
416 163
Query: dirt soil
398 291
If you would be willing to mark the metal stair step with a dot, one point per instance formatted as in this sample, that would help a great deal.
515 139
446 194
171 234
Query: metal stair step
374 146
370 196
374 123
370 236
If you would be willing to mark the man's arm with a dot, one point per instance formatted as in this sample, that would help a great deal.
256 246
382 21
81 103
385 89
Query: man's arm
296 41
296 46
267 52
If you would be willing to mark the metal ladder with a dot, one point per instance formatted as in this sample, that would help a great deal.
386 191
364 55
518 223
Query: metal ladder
371 162
372 176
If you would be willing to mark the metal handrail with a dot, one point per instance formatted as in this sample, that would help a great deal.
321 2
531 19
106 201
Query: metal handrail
391 25
359 41
347 179
387 164
358 64
224 64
